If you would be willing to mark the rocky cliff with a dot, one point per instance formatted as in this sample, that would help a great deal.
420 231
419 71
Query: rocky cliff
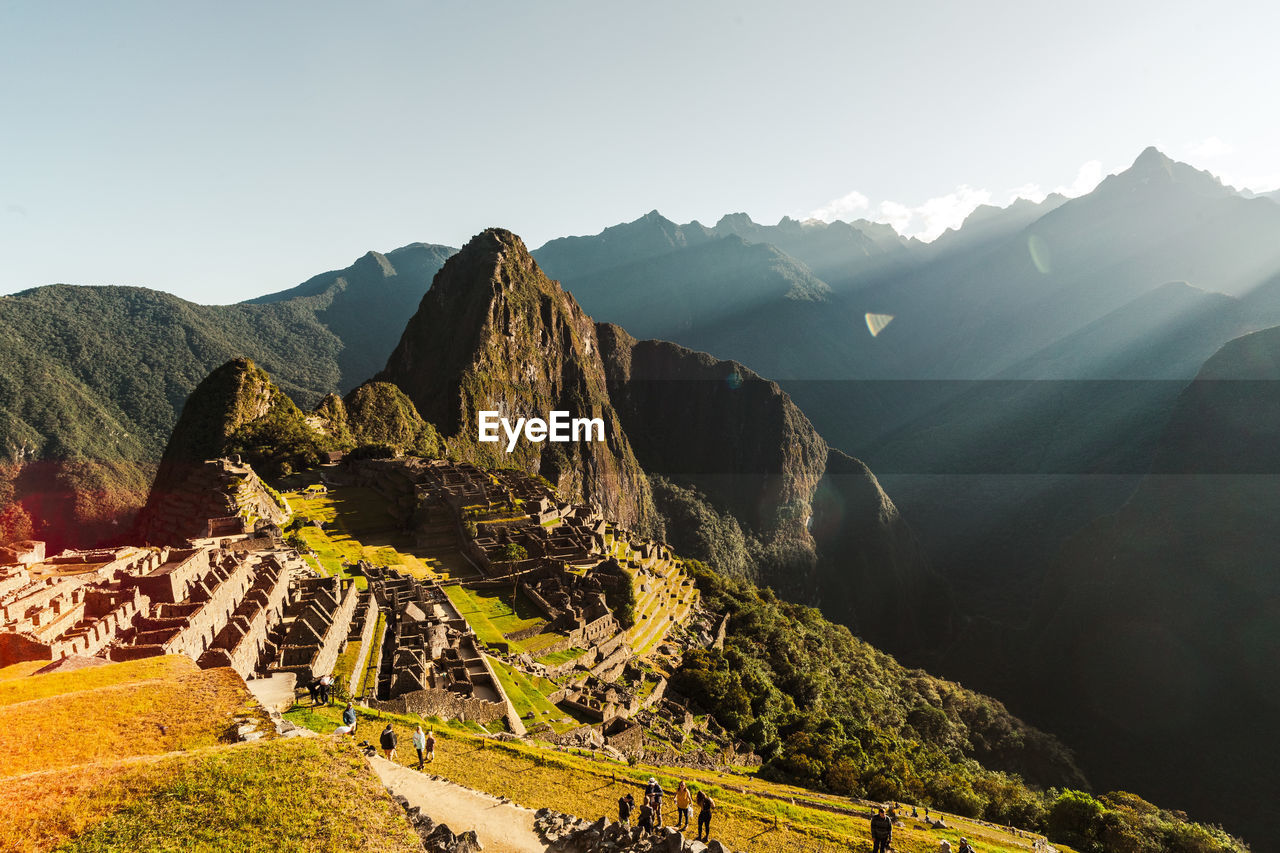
495 334
824 530
718 426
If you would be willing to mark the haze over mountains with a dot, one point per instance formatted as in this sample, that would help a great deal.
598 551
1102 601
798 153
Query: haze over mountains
1032 384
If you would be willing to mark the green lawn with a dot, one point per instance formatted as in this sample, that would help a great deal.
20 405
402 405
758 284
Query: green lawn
529 695
358 526
557 658
490 614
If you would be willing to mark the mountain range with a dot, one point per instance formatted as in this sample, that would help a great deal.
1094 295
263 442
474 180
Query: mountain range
1030 408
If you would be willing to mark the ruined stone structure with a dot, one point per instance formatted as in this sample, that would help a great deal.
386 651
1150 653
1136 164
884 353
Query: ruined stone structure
433 664
315 627
210 497
213 602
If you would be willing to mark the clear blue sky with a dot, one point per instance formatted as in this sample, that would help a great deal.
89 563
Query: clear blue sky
222 150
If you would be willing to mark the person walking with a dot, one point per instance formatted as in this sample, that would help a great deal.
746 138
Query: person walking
326 684
431 746
705 805
626 805
683 801
388 741
420 744
881 832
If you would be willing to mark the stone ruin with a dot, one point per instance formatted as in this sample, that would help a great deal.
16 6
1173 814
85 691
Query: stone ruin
235 597
432 663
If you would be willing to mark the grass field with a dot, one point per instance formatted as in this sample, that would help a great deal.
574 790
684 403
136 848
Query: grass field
105 721
55 683
490 614
357 526
529 696
752 815
289 796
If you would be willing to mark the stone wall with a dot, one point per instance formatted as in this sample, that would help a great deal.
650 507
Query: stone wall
240 643
366 638
206 622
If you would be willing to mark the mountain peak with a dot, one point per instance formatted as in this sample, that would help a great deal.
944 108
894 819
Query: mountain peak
494 333
1154 168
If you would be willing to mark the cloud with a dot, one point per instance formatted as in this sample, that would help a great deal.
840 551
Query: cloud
928 220
842 208
1088 176
1210 148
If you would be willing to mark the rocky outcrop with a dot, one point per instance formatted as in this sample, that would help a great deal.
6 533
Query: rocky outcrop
832 535
495 334
718 426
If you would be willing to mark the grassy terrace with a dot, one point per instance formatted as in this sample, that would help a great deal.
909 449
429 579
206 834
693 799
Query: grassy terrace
529 695
287 796
753 815
357 526
129 756
491 616
137 708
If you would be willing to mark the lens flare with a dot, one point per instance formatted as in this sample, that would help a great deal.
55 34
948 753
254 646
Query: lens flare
1040 256
877 322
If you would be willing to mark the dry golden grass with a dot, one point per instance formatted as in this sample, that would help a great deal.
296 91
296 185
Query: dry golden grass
752 815
285 796
19 689
180 712
21 670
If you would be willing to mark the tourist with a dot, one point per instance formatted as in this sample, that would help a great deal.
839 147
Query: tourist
653 793
964 847
344 730
645 821
420 744
705 805
313 688
881 832
349 717
389 741
626 804
431 746
326 682
683 801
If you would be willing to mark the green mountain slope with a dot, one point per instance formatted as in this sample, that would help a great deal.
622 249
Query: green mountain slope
92 379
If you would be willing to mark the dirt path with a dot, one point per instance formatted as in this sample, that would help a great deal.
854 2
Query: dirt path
501 826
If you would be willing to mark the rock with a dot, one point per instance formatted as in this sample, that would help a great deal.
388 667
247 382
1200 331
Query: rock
714 846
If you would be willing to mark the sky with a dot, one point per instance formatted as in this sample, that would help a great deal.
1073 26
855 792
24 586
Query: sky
224 150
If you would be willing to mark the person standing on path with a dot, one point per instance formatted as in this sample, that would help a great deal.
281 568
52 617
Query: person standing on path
881 832
683 801
420 744
431 746
388 741
705 805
